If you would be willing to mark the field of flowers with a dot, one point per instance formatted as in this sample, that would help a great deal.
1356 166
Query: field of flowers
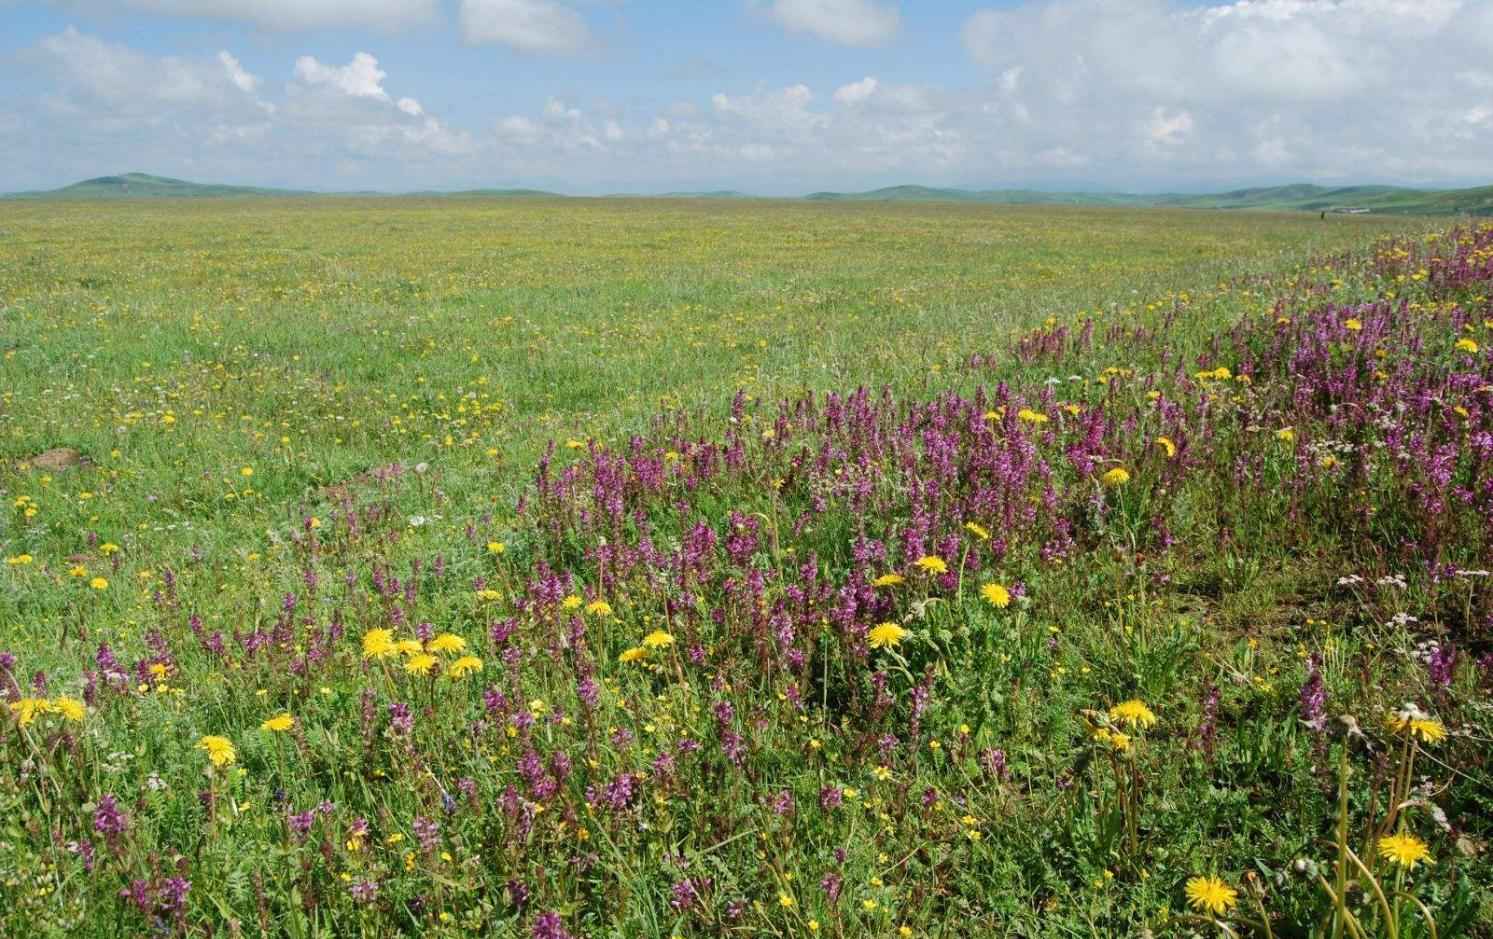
620 568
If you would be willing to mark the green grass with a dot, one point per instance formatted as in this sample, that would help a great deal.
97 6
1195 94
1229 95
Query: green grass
394 369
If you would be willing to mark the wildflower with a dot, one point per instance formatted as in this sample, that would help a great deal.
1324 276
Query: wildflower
1166 446
658 639
1031 417
887 580
1211 894
599 608
99 583
107 548
785 901
420 664
1466 345
246 471
633 654
278 724
26 709
496 547
378 644
996 595
70 708
979 531
19 560
932 564
882 773
1353 324
1286 435
409 647
1404 849
447 642
887 635
1413 723
464 666
1115 477
1132 713
218 749
1114 739
571 602
108 820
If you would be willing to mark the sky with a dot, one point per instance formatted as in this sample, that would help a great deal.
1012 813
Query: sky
773 97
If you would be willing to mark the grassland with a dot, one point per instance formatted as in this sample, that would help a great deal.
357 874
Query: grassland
415 567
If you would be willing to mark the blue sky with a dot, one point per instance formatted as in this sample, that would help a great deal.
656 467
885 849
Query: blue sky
769 96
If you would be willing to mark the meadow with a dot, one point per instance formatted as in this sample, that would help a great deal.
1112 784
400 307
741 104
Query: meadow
686 568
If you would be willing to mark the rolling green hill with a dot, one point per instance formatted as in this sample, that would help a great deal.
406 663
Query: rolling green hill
1305 197
1395 200
146 186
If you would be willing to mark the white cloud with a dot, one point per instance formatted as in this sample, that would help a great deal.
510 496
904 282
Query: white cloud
360 78
294 14
529 25
241 79
1314 88
856 92
1168 129
847 22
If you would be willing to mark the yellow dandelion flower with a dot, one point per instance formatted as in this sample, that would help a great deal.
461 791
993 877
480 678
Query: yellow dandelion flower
218 749
496 547
99 583
409 647
420 664
1353 324
1415 724
887 580
979 531
1114 739
1031 417
599 608
571 602
1133 713
1405 850
1211 895
464 666
658 639
996 595
19 560
107 548
448 642
378 644
26 709
1466 345
886 635
632 654
1286 435
1115 477
278 724
246 471
1166 446
70 708
932 564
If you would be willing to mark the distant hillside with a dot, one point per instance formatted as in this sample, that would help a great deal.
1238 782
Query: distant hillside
1394 200
492 194
1305 197
145 186
994 196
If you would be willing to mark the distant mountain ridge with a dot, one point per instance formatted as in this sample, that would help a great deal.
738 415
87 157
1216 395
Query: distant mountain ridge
1397 200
